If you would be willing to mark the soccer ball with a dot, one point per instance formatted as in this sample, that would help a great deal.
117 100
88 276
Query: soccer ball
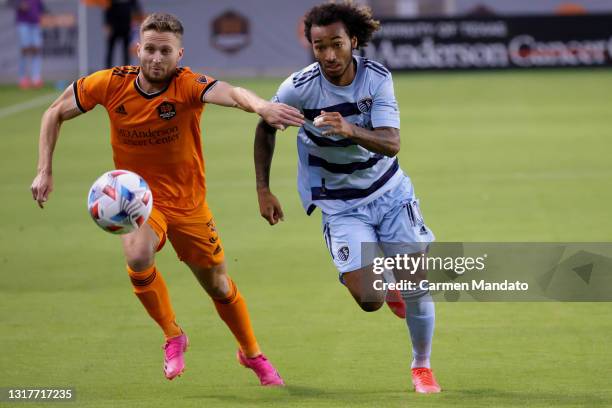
120 201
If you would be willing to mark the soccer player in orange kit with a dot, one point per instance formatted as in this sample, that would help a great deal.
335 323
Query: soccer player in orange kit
155 110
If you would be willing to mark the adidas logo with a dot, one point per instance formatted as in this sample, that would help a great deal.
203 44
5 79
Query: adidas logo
121 110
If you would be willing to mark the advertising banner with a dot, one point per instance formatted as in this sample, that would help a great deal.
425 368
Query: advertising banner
494 43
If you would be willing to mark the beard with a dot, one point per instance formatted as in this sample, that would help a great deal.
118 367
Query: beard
340 73
161 79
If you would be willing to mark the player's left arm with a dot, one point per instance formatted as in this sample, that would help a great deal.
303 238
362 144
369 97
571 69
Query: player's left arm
383 140
278 115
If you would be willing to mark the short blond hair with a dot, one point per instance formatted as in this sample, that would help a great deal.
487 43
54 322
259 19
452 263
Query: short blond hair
162 23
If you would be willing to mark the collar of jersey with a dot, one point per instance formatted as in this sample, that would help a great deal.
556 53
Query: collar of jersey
150 95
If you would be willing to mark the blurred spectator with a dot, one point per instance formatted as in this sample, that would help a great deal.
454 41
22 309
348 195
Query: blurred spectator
118 21
481 10
569 9
28 14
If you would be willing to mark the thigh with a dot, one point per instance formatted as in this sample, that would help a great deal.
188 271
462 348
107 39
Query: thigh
361 283
195 239
25 38
112 39
352 243
402 231
345 236
402 227
36 36
125 39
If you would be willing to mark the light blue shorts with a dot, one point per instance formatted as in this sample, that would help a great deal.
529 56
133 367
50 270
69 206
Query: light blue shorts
391 224
30 35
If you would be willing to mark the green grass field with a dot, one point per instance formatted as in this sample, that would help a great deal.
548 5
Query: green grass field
494 157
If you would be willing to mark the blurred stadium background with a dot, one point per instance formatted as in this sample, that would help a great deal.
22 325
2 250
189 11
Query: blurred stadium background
241 38
503 142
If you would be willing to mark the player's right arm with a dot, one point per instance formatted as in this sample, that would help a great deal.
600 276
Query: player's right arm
64 108
265 139
278 115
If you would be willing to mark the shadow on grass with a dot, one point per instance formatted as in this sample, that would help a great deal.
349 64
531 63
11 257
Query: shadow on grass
296 395
292 395
528 398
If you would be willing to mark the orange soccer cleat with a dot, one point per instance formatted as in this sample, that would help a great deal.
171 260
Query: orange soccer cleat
424 381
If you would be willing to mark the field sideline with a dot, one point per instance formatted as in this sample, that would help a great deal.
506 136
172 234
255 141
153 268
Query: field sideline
506 156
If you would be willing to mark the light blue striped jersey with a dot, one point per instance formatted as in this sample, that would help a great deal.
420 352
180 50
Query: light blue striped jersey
334 173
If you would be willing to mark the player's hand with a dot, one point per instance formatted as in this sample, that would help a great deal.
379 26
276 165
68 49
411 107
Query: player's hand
269 207
279 115
333 124
41 188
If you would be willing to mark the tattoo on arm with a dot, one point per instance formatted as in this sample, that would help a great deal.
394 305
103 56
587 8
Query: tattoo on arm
265 139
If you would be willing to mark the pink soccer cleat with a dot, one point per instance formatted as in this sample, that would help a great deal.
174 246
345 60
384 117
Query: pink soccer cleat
424 381
265 371
396 303
24 83
174 361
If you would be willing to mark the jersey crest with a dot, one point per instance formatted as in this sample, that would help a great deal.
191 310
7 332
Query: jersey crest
166 110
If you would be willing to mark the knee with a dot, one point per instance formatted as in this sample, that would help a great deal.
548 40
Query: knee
214 280
218 291
139 262
217 285
370 306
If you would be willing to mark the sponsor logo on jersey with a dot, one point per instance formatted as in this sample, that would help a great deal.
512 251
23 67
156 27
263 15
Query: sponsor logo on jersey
147 137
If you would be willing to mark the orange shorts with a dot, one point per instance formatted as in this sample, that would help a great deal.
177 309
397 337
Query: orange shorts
194 237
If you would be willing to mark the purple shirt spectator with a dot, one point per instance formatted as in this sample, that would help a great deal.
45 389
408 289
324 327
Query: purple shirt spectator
28 16
29 11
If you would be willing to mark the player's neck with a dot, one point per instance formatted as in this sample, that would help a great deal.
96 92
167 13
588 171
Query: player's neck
347 76
150 87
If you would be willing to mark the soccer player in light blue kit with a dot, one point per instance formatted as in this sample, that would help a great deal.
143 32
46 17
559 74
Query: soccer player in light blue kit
348 169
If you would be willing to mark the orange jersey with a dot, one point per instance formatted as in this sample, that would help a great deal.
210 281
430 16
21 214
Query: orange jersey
155 135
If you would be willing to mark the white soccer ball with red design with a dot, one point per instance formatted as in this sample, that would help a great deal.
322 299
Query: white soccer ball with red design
120 201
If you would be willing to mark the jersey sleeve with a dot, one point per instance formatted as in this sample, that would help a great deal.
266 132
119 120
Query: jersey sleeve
287 94
196 86
385 112
92 90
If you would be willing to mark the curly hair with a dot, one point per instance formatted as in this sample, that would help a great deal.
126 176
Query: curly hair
357 20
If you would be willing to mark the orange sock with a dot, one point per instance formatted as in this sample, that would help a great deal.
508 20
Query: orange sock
151 289
233 311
